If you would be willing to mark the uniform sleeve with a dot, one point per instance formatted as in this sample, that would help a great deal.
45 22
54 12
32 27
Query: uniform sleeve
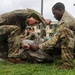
2 21
63 35
20 13
29 36
50 43
53 42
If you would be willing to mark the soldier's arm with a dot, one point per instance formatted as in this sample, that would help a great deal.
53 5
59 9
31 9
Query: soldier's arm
29 36
50 43
54 40
63 35
20 13
46 45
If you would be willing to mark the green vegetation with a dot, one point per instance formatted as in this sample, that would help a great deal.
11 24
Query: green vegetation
7 68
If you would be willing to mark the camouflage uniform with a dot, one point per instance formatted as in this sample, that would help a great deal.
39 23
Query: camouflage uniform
43 33
12 24
32 36
69 20
64 36
63 39
38 56
9 36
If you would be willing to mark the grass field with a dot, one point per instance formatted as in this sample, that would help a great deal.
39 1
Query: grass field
7 68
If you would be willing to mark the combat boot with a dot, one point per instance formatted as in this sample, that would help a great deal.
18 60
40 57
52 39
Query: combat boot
15 60
63 66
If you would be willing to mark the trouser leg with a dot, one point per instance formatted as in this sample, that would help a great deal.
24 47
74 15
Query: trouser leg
3 50
67 54
4 33
9 41
38 56
14 42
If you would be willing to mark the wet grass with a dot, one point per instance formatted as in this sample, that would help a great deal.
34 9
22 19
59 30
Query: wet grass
7 68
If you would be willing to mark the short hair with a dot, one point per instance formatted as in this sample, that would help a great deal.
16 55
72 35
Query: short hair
35 16
59 5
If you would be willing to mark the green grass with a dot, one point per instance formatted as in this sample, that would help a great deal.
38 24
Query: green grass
7 68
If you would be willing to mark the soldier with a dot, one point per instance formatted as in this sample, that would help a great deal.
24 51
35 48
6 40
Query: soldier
64 37
12 25
64 17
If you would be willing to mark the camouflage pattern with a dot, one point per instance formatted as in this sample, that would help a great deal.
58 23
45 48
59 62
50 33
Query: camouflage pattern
69 20
18 17
56 48
43 33
32 36
9 39
65 37
13 24
38 56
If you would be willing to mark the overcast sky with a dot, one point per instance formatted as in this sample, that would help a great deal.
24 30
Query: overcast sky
9 5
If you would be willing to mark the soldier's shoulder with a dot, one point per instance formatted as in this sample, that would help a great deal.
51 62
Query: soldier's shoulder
34 11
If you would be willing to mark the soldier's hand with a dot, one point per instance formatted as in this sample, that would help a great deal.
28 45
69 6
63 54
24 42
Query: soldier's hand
25 46
34 47
22 37
48 21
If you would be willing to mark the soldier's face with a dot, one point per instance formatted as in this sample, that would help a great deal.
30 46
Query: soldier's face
32 21
57 14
